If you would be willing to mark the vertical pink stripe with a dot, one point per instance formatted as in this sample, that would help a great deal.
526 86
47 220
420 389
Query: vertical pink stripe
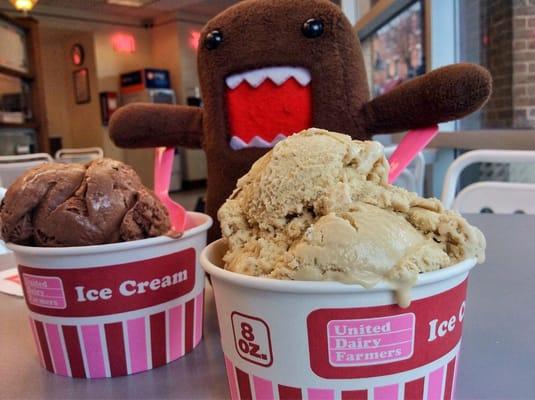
434 384
231 375
36 339
175 333
93 351
320 394
455 374
56 349
389 392
137 344
198 318
263 389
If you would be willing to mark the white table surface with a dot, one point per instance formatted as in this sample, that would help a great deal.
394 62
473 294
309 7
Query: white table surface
497 356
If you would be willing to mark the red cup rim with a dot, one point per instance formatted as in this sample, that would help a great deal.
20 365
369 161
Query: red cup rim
202 223
276 285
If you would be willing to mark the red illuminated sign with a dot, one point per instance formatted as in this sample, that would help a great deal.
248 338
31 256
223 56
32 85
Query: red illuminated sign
194 37
123 43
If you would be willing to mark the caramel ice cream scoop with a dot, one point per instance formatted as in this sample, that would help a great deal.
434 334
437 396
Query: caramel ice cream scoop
318 207
102 202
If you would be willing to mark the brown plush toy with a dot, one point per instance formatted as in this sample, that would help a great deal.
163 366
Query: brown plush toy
270 68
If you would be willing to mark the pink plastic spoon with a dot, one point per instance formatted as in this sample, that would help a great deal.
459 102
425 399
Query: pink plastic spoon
411 144
163 165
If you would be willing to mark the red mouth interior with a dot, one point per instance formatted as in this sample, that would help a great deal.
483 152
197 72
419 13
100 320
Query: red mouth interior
268 110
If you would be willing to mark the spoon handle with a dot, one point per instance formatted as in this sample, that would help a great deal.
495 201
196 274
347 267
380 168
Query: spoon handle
163 166
411 144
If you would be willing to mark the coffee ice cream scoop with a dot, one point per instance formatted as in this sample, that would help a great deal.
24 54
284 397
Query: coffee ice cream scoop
57 205
318 207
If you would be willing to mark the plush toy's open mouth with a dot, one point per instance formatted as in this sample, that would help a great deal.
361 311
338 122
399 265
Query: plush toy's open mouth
268 104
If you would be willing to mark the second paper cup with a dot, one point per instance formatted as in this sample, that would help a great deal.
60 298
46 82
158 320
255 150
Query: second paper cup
329 340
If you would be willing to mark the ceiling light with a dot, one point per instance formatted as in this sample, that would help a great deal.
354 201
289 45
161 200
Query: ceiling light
129 3
24 5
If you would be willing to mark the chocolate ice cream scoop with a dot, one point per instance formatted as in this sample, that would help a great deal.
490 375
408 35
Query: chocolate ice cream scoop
57 205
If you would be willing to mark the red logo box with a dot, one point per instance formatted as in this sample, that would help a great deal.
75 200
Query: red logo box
96 291
252 339
398 340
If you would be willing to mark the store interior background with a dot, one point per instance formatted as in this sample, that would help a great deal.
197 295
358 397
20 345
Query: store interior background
163 34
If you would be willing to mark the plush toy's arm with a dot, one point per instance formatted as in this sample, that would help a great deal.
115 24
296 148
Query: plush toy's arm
156 125
442 95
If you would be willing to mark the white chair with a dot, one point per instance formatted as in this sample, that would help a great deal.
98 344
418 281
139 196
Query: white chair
412 177
11 167
495 197
82 155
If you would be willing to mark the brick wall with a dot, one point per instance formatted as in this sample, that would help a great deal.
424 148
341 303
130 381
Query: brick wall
500 34
471 23
497 37
524 63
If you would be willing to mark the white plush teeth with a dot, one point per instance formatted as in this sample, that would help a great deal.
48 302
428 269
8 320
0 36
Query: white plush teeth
234 81
237 143
277 75
256 77
302 76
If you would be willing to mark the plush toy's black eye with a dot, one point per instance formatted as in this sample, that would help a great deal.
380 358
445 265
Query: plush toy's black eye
313 28
213 40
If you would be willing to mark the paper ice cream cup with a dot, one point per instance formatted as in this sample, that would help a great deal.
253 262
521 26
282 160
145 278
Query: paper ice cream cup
115 309
329 340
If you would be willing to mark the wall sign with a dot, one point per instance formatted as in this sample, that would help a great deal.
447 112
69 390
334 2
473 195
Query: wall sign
193 40
123 43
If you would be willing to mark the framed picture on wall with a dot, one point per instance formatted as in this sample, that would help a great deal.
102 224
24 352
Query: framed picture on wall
82 92
396 43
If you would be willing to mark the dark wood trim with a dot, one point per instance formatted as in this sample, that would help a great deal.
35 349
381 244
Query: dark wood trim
12 14
15 73
12 21
37 89
30 125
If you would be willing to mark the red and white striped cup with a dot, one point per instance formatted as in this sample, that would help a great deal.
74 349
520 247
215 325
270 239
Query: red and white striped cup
115 309
329 340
